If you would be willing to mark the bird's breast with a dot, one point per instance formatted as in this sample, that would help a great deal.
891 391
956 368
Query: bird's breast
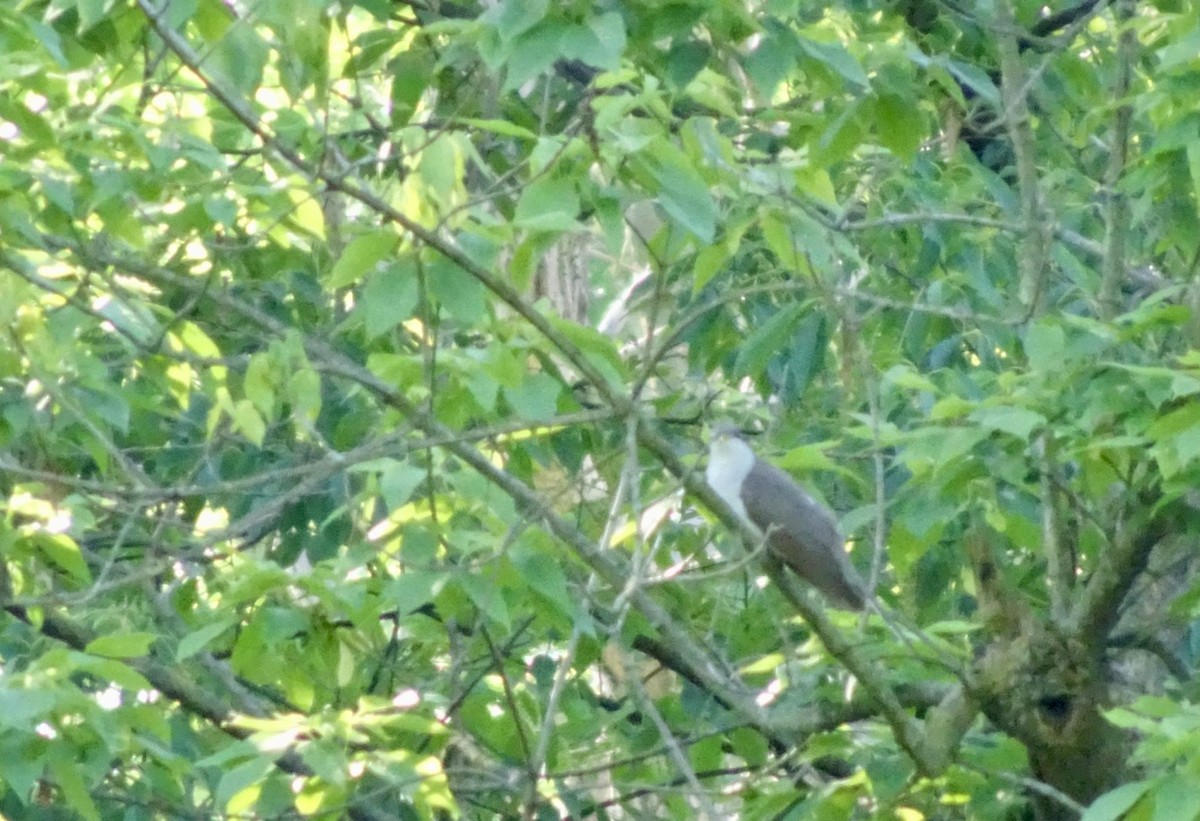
726 475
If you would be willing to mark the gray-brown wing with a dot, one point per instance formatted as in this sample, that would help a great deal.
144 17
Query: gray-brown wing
802 532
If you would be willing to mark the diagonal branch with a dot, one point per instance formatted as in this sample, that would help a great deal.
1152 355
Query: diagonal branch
192 696
609 569
606 567
1096 612
497 285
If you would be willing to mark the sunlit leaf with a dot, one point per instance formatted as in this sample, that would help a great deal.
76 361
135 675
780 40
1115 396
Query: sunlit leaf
361 257
122 645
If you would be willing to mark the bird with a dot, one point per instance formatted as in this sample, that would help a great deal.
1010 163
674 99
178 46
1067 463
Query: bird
797 528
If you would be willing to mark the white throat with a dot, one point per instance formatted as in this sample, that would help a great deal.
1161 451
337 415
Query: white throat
730 460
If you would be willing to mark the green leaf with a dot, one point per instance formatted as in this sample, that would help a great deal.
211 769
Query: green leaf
708 264
532 54
544 575
597 348
304 393
240 787
69 777
1175 798
327 759
193 339
255 581
976 79
815 181
389 297
361 256
782 243
502 127
840 137
50 41
487 595
259 383
1115 803
835 57
707 754
767 340
1044 344
685 60
1020 422
935 447
1177 438
398 481
598 43
548 205
248 422
237 57
770 62
750 746
63 552
515 17
457 291
22 709
898 125
806 356
410 73
536 397
122 645
197 640
440 167
484 390
113 670
414 588
807 458
22 764
798 243
683 193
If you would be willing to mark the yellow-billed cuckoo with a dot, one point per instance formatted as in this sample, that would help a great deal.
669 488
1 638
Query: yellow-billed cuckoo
797 528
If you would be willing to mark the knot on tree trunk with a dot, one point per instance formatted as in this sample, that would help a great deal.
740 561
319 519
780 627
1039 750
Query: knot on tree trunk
1048 689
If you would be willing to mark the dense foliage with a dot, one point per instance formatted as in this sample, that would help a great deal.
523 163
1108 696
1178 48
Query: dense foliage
357 357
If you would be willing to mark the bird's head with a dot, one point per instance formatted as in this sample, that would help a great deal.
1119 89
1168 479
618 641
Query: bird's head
727 446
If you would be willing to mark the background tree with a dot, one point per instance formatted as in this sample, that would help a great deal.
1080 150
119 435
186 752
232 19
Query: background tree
356 356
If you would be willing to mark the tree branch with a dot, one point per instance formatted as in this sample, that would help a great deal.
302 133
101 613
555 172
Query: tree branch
496 284
1014 87
1060 561
610 570
1096 612
1116 215
907 731
601 561
192 696
613 572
